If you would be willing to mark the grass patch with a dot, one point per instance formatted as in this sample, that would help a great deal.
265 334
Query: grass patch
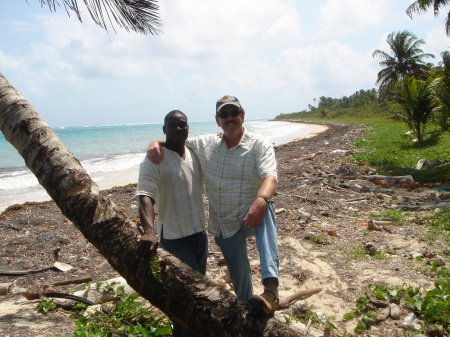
397 217
316 238
359 252
438 227
392 154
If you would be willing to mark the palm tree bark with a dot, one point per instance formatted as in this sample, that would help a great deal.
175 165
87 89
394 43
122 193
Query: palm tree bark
183 294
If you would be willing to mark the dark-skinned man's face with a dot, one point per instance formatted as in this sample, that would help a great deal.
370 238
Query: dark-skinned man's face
176 128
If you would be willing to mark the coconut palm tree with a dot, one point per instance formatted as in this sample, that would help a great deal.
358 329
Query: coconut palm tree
138 15
421 6
418 103
407 58
442 91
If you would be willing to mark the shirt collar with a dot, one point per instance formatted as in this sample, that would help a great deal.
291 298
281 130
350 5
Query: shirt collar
244 143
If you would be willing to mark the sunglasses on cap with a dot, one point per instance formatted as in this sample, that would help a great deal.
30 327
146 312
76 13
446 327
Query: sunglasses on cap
225 114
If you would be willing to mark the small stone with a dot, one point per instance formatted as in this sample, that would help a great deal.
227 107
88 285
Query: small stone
395 311
384 314
370 248
408 321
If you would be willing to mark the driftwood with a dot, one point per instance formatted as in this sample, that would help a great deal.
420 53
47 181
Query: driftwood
66 282
297 296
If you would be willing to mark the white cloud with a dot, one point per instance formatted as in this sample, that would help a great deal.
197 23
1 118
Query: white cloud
339 17
273 54
333 68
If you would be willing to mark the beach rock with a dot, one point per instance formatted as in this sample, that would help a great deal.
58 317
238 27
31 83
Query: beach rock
408 321
383 314
395 311
370 248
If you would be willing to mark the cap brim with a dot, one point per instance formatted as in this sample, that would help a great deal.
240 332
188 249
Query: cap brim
228 103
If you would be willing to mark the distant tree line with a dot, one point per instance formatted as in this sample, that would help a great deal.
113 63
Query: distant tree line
410 89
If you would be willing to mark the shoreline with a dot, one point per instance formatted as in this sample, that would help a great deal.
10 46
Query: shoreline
124 177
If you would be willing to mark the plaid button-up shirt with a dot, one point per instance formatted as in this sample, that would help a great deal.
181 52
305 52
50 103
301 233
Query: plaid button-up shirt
232 177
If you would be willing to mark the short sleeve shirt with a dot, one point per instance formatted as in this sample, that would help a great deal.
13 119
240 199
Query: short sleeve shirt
232 177
177 187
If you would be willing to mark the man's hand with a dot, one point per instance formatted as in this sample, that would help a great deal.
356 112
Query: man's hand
147 245
155 152
256 213
149 241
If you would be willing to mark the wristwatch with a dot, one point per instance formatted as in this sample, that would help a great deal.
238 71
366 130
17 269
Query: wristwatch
265 197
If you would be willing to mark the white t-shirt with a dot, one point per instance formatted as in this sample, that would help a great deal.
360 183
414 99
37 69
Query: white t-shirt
176 185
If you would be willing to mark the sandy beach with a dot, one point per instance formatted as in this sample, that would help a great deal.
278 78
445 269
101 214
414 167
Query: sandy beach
323 204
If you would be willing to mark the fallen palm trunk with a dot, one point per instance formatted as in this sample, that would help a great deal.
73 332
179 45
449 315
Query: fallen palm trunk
185 296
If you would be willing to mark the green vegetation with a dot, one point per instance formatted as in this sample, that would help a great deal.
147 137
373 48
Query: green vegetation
386 144
438 227
359 252
397 217
413 101
392 154
127 317
316 238
432 307
45 306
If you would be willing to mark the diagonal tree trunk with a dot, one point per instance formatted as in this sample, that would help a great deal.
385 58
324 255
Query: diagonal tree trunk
183 294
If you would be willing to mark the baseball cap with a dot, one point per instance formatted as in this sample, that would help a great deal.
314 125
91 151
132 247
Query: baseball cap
225 100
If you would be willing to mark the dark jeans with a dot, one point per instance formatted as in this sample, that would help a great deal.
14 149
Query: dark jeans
192 250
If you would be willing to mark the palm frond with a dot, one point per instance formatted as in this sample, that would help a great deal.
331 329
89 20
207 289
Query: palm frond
138 15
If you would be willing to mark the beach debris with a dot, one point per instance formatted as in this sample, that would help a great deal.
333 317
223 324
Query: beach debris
4 288
420 164
67 282
101 292
414 255
392 179
302 294
280 210
408 134
383 314
331 233
395 311
408 322
373 227
433 163
59 266
370 248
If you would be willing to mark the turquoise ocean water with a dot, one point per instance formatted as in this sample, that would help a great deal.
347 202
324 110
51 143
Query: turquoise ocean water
111 154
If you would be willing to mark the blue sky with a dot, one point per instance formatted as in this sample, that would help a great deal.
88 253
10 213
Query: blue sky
276 56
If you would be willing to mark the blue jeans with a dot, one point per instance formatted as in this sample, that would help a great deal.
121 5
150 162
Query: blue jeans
193 251
234 250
